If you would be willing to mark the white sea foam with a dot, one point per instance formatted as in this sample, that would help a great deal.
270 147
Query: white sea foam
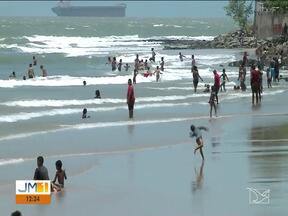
83 46
182 37
27 116
10 161
66 80
62 103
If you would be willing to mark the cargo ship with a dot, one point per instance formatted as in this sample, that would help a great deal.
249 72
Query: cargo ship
90 11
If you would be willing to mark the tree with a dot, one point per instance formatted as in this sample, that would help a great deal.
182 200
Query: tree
240 11
276 5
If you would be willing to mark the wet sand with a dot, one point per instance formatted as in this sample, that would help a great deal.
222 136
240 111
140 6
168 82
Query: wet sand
150 169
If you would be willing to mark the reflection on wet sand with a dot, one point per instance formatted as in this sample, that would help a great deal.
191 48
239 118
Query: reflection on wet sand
198 182
269 169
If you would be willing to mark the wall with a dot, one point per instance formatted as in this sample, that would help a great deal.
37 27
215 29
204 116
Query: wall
269 25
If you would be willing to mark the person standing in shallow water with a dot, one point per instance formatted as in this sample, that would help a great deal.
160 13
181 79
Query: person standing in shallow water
224 78
31 74
130 98
216 83
196 77
255 83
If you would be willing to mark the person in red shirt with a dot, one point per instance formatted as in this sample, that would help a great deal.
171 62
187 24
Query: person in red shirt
130 98
217 83
255 83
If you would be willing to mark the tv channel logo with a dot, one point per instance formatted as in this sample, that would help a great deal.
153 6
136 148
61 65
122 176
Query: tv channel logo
259 196
33 192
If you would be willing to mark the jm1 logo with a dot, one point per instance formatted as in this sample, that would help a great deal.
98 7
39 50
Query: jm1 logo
259 196
33 192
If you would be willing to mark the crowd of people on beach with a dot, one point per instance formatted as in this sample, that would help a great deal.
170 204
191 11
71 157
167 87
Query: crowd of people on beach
143 67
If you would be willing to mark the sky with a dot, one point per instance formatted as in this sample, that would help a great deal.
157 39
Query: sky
195 9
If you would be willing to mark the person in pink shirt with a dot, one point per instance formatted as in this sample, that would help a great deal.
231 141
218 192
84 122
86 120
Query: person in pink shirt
130 98
217 83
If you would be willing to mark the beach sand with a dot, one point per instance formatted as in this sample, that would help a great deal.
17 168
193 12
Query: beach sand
144 167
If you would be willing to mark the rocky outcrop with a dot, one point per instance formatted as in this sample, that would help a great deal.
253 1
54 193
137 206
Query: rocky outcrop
236 39
274 48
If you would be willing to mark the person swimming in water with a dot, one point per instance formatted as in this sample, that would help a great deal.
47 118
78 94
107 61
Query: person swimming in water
181 56
196 132
12 75
84 114
34 61
119 66
97 94
31 74
60 176
126 66
114 64
109 60
44 71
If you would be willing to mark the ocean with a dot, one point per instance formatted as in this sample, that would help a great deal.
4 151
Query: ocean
43 115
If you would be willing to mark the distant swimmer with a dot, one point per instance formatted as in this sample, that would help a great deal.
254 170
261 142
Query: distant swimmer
196 131
196 77
60 176
119 66
162 64
207 88
41 172
181 56
16 213
135 73
216 83
224 78
153 55
34 61
97 94
43 70
12 75
157 72
84 83
146 65
109 60
31 74
193 63
130 98
84 114
136 62
114 64
212 101
126 67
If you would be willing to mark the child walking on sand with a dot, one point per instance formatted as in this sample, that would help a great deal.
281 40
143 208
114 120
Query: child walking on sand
196 131
212 101
59 176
